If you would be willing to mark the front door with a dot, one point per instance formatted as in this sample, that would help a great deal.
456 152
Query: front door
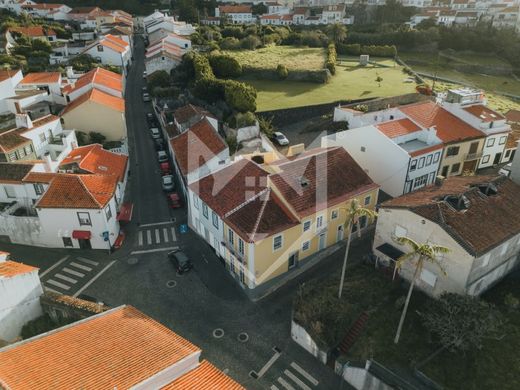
469 166
293 260
339 234
498 156
322 241
84 244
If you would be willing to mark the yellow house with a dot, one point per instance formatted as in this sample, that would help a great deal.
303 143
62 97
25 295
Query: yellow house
99 112
265 220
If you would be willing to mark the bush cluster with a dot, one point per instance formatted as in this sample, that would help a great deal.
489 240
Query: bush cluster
225 66
282 72
330 63
373 50
314 76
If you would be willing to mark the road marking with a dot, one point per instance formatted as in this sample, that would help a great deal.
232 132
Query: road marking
52 290
81 266
273 387
94 279
174 237
285 384
157 236
305 374
165 234
155 224
154 250
91 262
58 284
66 278
72 272
296 380
53 266
268 364
140 238
148 237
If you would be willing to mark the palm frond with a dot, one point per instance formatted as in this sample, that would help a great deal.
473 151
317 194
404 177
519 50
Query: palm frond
403 258
408 241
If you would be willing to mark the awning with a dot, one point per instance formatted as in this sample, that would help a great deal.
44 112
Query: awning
81 234
125 213
390 251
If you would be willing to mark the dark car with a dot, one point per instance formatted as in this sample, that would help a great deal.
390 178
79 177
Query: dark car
159 144
180 261
150 118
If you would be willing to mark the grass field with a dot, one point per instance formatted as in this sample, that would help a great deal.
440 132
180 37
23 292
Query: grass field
292 57
350 82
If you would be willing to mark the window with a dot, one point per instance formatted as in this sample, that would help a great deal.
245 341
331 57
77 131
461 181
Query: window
231 237
84 219
306 245
277 242
28 149
455 168
421 163
240 246
292 260
420 181
232 264
242 276
490 142
334 214
363 221
10 192
508 152
67 241
21 152
205 210
502 140
100 48
214 217
413 165
368 199
436 157
319 222
195 201
38 188
445 170
428 277
400 231
306 225
108 212
485 159
429 159
363 149
42 137
452 151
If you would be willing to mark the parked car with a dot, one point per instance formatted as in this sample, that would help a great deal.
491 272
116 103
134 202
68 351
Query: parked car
180 261
145 74
168 184
145 89
165 168
280 138
159 144
151 120
162 156
156 134
506 170
174 200
146 97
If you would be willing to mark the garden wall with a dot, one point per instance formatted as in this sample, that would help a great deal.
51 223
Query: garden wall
302 338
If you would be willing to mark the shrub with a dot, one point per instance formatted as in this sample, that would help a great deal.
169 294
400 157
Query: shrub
242 120
202 68
330 63
240 96
250 43
160 78
272 39
282 72
225 66
373 50
232 144
311 39
353 49
96 138
511 302
233 31
266 126
230 43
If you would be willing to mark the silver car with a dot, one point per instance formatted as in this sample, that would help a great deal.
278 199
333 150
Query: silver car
155 133
280 139
146 97
162 156
168 184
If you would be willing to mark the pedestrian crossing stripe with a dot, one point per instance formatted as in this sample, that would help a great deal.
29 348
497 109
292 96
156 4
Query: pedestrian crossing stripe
155 236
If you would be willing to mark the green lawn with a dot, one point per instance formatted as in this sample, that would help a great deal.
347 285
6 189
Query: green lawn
350 82
304 58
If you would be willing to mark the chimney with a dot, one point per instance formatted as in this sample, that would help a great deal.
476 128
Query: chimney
3 256
23 120
70 72
431 135
439 180
48 162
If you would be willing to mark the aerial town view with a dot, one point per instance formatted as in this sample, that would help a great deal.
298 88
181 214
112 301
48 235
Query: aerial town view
252 194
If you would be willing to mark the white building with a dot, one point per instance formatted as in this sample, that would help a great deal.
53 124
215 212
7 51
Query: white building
20 289
186 116
472 216
236 14
49 81
99 78
333 14
44 10
111 50
508 17
9 79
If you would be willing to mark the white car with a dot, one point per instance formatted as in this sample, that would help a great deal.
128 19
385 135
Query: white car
146 97
155 133
168 184
280 139
162 156
145 74
506 170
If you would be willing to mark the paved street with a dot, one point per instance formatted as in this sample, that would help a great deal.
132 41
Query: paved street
205 305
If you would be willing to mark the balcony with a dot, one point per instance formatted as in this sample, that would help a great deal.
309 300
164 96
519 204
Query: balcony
238 256
472 156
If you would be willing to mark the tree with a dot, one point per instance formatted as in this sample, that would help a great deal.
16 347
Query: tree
337 32
354 213
157 79
423 252
96 138
378 80
259 9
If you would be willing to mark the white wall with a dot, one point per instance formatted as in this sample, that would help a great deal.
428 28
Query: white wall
215 235
431 170
304 339
160 63
498 143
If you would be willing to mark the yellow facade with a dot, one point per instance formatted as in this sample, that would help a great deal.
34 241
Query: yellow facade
466 159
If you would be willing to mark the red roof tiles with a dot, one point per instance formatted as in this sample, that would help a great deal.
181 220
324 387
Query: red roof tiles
205 377
97 76
513 116
33 31
9 268
484 113
41 78
99 97
398 127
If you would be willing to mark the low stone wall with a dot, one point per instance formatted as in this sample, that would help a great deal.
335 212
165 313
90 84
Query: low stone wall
60 307
304 339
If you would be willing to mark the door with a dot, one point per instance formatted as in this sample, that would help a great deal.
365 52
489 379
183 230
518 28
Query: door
322 241
293 260
473 148
444 172
339 234
498 156
84 244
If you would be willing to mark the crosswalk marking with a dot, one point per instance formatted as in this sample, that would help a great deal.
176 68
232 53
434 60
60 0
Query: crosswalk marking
305 374
87 261
53 266
273 387
296 380
140 238
72 272
58 284
157 237
81 266
149 236
66 278
165 234
285 384
173 234
51 290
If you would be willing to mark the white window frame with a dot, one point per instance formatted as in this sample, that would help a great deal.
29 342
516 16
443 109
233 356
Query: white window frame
490 142
369 197
205 211
241 246
108 212
334 214
195 201
308 243
214 219
307 222
231 237
280 236
319 222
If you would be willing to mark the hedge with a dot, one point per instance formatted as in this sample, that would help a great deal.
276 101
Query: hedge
225 66
373 50
314 76
330 63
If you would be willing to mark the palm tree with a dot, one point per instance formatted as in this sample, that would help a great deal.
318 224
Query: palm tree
423 252
337 32
354 212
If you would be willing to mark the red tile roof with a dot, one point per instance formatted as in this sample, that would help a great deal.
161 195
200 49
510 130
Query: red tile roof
14 172
95 159
197 146
513 116
41 78
450 129
486 222
484 113
119 349
33 31
99 97
9 268
97 76
39 177
235 9
398 127
205 377
7 74
426 150
189 112
331 176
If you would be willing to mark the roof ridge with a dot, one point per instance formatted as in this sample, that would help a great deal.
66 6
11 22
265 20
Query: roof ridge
261 213
244 203
86 189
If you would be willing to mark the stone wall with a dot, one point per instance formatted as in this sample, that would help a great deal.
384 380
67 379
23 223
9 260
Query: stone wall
63 307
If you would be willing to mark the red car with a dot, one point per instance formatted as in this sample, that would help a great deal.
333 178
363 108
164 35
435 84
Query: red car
165 168
174 200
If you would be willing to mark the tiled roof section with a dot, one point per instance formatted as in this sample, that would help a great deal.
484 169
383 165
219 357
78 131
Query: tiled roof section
231 186
84 10
449 127
426 150
115 349
33 31
513 116
41 78
484 113
487 221
9 268
39 177
11 140
79 191
77 303
398 127
40 122
7 74
196 146
205 377
513 137
99 97
329 176
262 217
94 159
98 76
235 9
187 112
14 172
